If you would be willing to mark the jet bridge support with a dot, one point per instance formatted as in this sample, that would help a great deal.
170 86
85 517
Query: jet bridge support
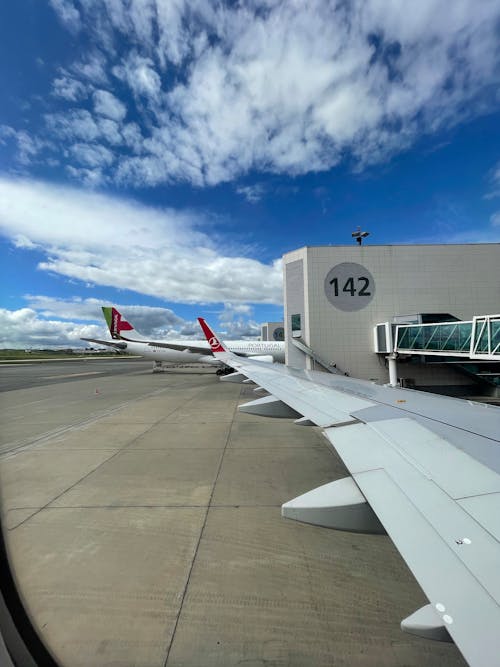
393 370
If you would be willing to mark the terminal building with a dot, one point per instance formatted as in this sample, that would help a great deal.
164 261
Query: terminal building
272 331
422 316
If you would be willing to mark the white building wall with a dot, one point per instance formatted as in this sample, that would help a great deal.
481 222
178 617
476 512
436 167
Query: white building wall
463 280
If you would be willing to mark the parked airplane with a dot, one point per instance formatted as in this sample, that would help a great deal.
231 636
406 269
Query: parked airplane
424 468
127 339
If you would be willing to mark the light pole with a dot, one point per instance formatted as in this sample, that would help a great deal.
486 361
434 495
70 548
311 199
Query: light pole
359 235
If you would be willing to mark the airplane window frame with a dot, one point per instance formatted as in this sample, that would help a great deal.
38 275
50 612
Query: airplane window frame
20 643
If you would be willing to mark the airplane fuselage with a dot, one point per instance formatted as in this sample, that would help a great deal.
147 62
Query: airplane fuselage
274 349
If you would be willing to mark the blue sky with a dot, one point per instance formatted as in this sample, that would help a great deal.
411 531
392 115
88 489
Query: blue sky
162 156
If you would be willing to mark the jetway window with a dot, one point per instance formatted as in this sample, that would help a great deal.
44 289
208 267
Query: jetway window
435 338
296 326
487 338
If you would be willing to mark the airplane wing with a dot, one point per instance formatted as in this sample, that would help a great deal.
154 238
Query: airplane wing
191 346
425 468
110 343
198 347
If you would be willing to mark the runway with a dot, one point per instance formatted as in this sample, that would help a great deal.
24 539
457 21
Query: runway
143 518
36 374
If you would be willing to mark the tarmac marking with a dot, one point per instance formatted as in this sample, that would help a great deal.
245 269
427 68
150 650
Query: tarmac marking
12 448
70 375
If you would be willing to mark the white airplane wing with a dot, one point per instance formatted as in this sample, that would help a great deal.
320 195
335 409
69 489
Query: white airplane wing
424 467
196 346
109 343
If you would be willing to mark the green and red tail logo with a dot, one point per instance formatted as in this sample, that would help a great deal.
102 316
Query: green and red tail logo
115 321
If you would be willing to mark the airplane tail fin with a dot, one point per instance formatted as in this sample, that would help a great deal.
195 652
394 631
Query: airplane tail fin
216 345
118 325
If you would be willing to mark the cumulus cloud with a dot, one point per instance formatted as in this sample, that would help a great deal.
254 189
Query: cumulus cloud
140 75
234 321
24 328
148 320
91 68
280 87
68 14
252 193
103 240
28 147
106 104
69 88
51 322
92 155
90 178
74 124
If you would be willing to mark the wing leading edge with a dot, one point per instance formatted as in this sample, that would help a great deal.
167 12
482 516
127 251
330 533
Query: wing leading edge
424 468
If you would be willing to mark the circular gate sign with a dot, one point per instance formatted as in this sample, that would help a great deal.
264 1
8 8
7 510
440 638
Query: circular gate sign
349 286
279 333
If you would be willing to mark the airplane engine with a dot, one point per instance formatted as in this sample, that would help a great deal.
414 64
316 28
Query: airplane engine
268 358
208 359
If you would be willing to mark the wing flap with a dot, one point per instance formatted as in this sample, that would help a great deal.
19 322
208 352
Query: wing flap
467 609
465 537
486 511
450 554
452 469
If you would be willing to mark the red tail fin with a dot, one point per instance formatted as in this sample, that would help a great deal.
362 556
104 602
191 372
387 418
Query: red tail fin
118 324
213 341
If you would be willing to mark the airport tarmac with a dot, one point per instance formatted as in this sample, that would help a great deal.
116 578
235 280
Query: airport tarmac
142 513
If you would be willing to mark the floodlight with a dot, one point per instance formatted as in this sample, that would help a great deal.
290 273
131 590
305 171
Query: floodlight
359 235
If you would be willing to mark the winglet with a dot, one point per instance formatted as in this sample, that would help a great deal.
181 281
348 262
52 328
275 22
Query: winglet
215 344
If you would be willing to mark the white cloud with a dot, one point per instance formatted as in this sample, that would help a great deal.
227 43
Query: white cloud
235 323
109 131
90 178
50 322
69 88
68 13
28 147
92 68
106 104
494 178
284 87
24 328
133 137
495 219
140 75
148 320
104 240
74 124
91 155
173 43
252 193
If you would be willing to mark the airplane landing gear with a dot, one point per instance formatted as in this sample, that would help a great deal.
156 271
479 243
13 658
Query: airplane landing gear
224 371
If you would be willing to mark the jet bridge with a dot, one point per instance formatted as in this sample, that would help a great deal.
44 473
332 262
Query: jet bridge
473 345
477 339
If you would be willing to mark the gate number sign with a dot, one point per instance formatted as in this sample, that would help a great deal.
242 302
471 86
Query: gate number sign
349 286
